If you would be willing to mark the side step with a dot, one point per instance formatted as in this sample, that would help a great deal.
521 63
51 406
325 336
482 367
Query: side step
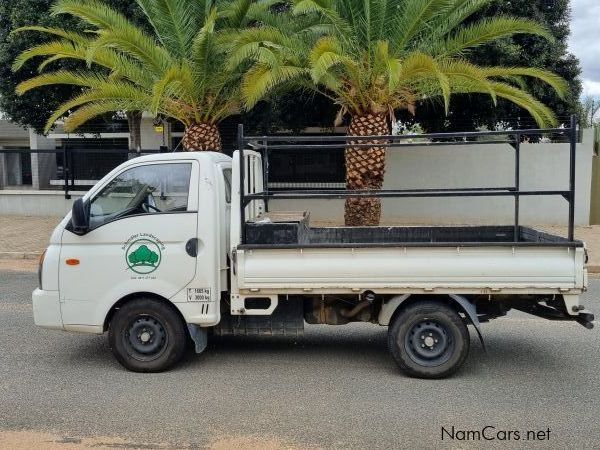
286 320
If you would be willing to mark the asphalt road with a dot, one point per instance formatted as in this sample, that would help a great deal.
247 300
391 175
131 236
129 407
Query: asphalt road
335 388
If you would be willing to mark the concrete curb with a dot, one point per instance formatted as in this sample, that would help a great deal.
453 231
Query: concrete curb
20 255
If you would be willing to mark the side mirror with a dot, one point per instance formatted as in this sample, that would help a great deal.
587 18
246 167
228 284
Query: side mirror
80 216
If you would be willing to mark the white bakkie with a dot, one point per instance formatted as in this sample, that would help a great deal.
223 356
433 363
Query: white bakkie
152 254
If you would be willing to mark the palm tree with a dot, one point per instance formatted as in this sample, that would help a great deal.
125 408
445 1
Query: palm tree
177 71
375 57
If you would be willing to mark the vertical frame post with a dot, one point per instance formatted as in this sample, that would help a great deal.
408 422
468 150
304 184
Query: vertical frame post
66 172
517 184
572 161
266 176
72 167
240 143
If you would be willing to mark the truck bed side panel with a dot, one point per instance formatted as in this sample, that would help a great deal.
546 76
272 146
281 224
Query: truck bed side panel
507 268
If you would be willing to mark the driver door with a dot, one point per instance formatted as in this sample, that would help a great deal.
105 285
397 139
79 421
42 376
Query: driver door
140 222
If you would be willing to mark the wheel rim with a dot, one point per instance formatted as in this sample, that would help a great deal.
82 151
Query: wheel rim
429 343
145 338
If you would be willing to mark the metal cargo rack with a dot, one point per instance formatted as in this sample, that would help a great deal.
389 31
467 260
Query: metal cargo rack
267 144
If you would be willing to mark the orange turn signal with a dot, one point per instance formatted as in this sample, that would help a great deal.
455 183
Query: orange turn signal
72 262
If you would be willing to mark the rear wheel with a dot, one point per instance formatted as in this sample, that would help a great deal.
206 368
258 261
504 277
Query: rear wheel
146 335
429 340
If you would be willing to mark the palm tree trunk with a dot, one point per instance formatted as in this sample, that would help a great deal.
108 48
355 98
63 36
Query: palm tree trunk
365 168
202 137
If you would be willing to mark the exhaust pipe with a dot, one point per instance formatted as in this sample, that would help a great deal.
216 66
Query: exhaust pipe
369 297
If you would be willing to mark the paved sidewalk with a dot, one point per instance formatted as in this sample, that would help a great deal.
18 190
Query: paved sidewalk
25 237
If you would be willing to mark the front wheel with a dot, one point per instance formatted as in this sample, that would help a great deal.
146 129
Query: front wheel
146 335
429 340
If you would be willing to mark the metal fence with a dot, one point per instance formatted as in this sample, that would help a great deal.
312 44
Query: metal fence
66 169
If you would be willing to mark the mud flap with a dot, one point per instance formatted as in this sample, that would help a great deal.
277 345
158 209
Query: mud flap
471 312
200 337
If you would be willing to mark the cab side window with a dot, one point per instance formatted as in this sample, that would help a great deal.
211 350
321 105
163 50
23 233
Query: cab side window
227 180
149 189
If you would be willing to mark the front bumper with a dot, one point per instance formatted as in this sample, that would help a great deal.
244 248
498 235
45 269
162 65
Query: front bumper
46 309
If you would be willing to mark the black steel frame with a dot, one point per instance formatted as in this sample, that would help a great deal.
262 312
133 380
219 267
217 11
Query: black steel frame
266 144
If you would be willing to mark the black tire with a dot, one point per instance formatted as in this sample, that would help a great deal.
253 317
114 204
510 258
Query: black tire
429 339
147 335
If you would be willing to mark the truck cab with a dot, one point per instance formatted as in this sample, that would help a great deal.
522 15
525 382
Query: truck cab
157 226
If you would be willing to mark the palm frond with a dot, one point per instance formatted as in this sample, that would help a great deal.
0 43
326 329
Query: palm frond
176 83
540 112
175 22
68 35
464 73
64 49
94 12
82 79
323 8
413 18
488 30
265 44
45 63
116 31
261 79
111 91
95 109
454 15
326 54
119 65
236 12
558 83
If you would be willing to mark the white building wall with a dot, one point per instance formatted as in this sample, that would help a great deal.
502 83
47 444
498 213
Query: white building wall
36 203
543 167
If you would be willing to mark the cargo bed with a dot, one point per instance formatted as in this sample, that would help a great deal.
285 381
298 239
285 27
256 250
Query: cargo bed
284 254
292 230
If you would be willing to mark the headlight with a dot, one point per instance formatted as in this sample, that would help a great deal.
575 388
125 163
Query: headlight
41 267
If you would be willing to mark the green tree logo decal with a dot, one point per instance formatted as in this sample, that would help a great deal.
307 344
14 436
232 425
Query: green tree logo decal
143 256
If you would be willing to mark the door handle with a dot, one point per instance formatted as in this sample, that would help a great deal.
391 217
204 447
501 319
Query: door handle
191 247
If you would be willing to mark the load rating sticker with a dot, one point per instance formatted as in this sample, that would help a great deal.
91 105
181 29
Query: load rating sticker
198 295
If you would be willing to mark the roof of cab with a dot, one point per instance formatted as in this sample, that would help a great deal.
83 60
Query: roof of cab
175 156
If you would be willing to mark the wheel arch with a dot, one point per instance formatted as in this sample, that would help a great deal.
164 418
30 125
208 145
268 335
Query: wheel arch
134 296
390 310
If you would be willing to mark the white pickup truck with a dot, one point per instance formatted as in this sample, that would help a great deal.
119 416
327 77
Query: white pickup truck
166 250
